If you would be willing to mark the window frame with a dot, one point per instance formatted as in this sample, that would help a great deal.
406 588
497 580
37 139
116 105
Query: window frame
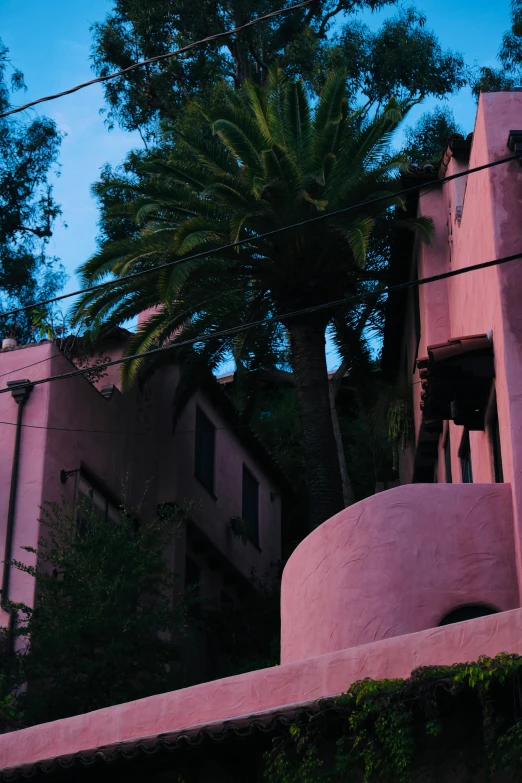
96 485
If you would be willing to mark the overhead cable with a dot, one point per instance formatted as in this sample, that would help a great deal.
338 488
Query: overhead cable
158 58
284 317
259 237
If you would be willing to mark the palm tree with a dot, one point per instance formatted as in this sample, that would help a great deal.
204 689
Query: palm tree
261 159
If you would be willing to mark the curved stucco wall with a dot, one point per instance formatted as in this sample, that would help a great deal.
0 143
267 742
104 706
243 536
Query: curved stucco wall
397 563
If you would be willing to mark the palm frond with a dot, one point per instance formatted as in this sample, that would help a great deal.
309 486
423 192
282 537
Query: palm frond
276 96
239 145
422 226
257 101
298 125
330 105
358 236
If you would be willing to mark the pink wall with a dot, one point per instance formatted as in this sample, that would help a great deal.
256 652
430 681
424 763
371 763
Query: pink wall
474 299
480 301
364 593
13 366
215 511
128 443
432 259
397 563
267 689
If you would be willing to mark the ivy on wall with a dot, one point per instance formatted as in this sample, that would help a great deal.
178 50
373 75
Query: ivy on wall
440 720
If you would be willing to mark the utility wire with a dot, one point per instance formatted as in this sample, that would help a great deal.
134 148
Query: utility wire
159 57
70 350
117 432
260 237
236 244
40 361
292 314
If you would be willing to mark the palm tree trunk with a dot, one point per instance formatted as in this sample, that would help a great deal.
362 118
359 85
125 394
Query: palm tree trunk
307 339
348 493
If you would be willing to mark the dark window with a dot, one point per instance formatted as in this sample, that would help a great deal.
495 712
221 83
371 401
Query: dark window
205 448
470 612
494 433
465 459
447 458
251 505
93 497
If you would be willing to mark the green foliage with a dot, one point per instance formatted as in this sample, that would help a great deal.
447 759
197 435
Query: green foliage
363 416
510 55
494 80
100 632
243 635
275 418
383 730
260 159
28 155
402 58
511 50
362 411
427 139
400 424
265 160
9 713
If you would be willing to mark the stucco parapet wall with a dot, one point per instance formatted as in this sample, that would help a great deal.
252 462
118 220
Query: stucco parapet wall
268 689
397 563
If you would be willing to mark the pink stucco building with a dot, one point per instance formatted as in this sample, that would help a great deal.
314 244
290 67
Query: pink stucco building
379 589
79 437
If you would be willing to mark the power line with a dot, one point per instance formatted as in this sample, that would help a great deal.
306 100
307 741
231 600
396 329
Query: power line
263 321
158 58
70 350
33 364
117 432
259 237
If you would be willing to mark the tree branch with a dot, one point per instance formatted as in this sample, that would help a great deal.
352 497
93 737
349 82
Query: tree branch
41 233
258 59
314 8
322 28
335 380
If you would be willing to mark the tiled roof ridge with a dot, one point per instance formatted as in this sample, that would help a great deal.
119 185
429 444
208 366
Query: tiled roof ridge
216 731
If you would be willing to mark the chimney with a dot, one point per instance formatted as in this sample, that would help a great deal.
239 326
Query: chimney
8 343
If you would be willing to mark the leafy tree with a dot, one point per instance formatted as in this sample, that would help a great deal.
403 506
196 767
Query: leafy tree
368 451
493 80
100 632
510 55
28 154
266 160
511 50
402 58
427 139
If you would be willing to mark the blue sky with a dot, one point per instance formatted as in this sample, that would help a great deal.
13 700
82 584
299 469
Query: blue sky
49 41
